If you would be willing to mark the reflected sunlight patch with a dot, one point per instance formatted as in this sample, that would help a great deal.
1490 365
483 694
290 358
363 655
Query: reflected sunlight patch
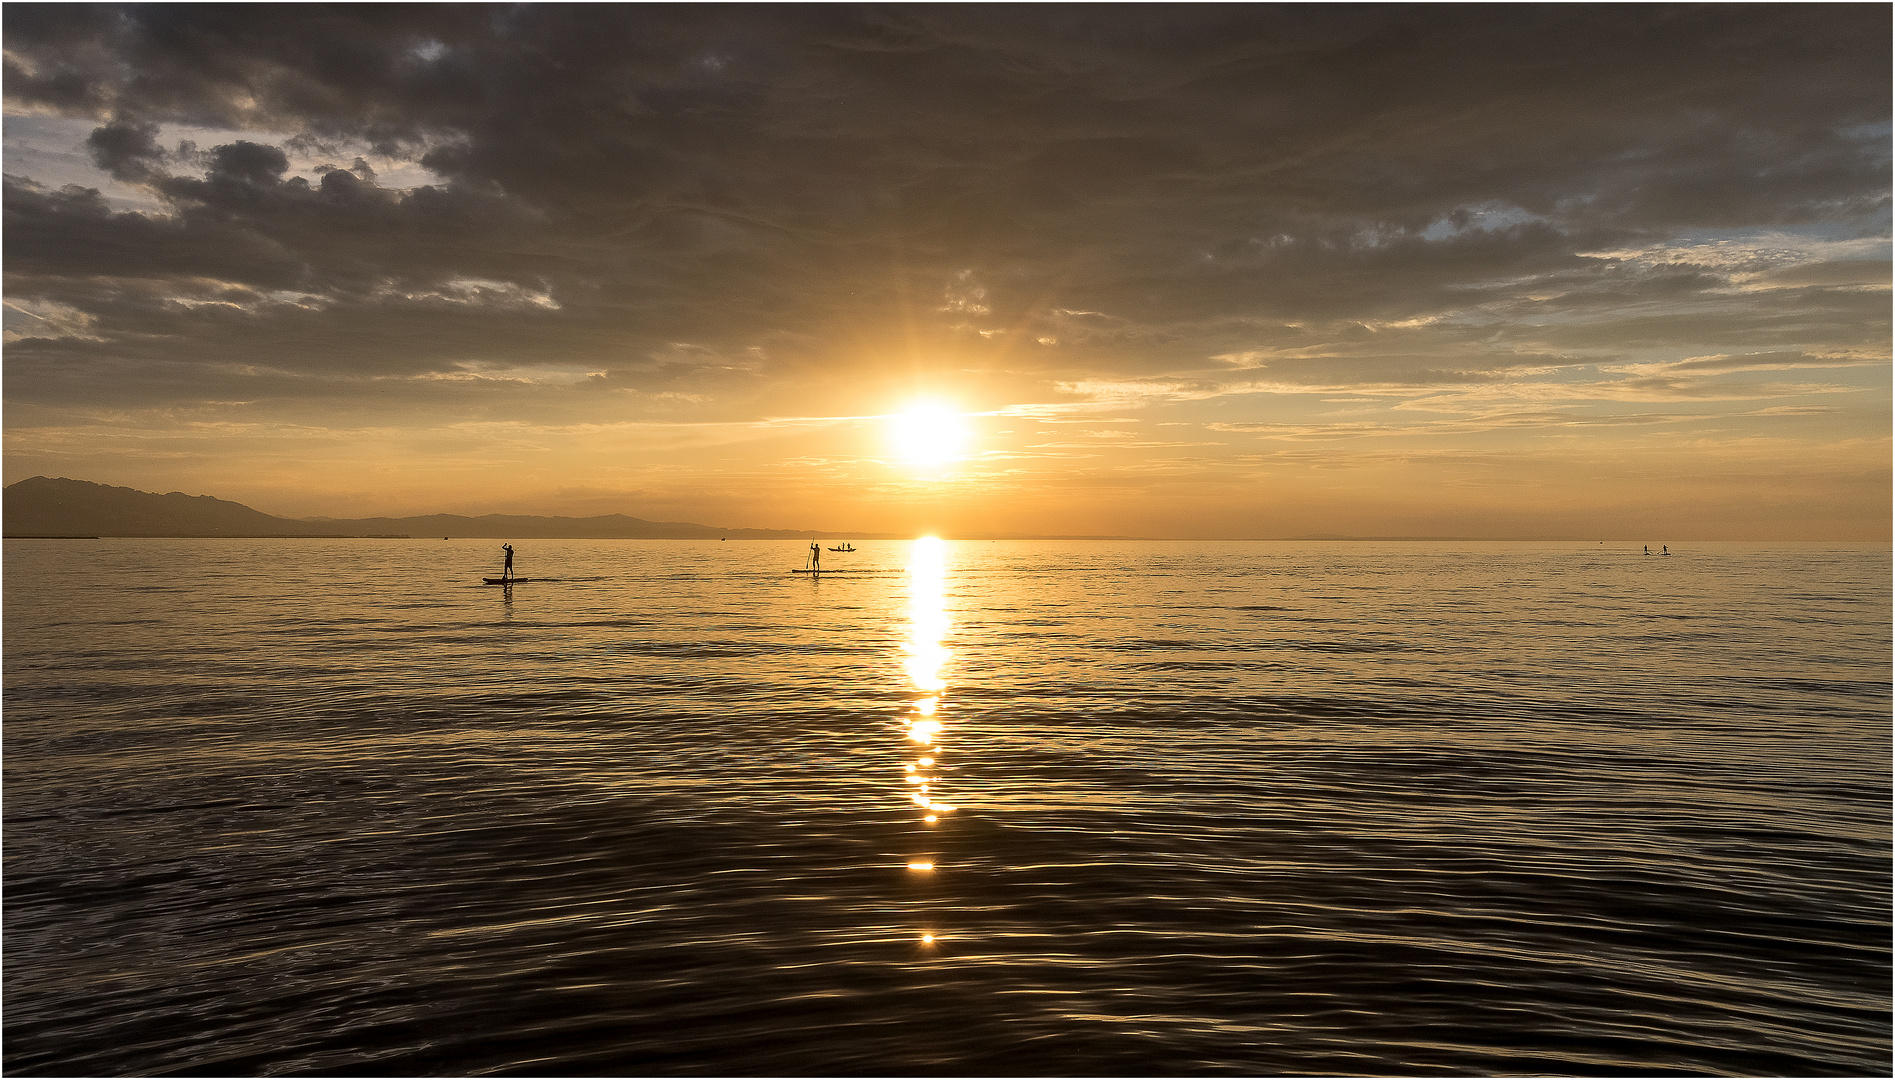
928 624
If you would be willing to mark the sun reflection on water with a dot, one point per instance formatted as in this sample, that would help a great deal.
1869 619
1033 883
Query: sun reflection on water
926 657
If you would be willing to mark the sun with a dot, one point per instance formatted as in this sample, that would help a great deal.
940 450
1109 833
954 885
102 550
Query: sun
929 434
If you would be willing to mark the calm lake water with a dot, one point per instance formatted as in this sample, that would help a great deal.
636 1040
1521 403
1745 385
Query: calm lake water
286 806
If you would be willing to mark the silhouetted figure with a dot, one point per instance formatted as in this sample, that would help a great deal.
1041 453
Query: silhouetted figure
507 570
1663 550
1648 549
815 555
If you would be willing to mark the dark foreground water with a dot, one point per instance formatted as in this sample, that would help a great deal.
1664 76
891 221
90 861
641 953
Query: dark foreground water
278 806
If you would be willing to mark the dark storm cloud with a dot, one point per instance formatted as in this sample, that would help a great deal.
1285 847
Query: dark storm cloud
1056 189
126 149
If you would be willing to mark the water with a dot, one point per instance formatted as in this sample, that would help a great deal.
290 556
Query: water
279 806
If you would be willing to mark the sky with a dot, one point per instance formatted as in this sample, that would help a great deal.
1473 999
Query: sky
1616 271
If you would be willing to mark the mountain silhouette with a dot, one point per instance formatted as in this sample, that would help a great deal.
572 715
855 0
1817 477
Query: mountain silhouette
45 506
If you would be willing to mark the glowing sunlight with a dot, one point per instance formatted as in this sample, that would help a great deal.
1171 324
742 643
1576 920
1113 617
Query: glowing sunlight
929 434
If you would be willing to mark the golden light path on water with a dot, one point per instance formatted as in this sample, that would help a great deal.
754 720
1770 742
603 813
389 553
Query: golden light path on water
926 657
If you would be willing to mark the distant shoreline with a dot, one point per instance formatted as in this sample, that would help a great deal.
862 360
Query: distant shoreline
964 539
63 508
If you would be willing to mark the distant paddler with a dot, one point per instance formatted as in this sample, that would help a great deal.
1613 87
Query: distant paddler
506 571
815 556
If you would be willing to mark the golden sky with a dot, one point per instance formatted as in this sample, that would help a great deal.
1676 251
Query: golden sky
1239 270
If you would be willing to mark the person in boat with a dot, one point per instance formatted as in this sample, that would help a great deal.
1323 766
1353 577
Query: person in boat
507 570
1648 549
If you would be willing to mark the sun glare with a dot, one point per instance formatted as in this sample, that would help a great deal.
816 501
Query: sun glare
929 434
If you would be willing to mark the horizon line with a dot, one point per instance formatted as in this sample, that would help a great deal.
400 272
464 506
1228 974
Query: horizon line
988 537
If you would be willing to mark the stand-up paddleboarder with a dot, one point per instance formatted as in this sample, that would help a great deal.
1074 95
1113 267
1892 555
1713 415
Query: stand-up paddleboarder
507 570
815 555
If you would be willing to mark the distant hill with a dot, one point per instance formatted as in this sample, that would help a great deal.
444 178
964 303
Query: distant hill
42 506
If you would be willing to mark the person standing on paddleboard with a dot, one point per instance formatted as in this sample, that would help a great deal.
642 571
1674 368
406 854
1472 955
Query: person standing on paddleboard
507 570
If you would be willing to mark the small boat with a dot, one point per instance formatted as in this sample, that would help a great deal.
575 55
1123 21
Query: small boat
846 546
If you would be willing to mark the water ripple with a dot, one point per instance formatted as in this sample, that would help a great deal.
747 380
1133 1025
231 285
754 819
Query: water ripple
1348 809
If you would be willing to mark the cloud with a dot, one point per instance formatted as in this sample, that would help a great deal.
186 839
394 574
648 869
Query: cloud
1494 421
1769 361
721 213
47 320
